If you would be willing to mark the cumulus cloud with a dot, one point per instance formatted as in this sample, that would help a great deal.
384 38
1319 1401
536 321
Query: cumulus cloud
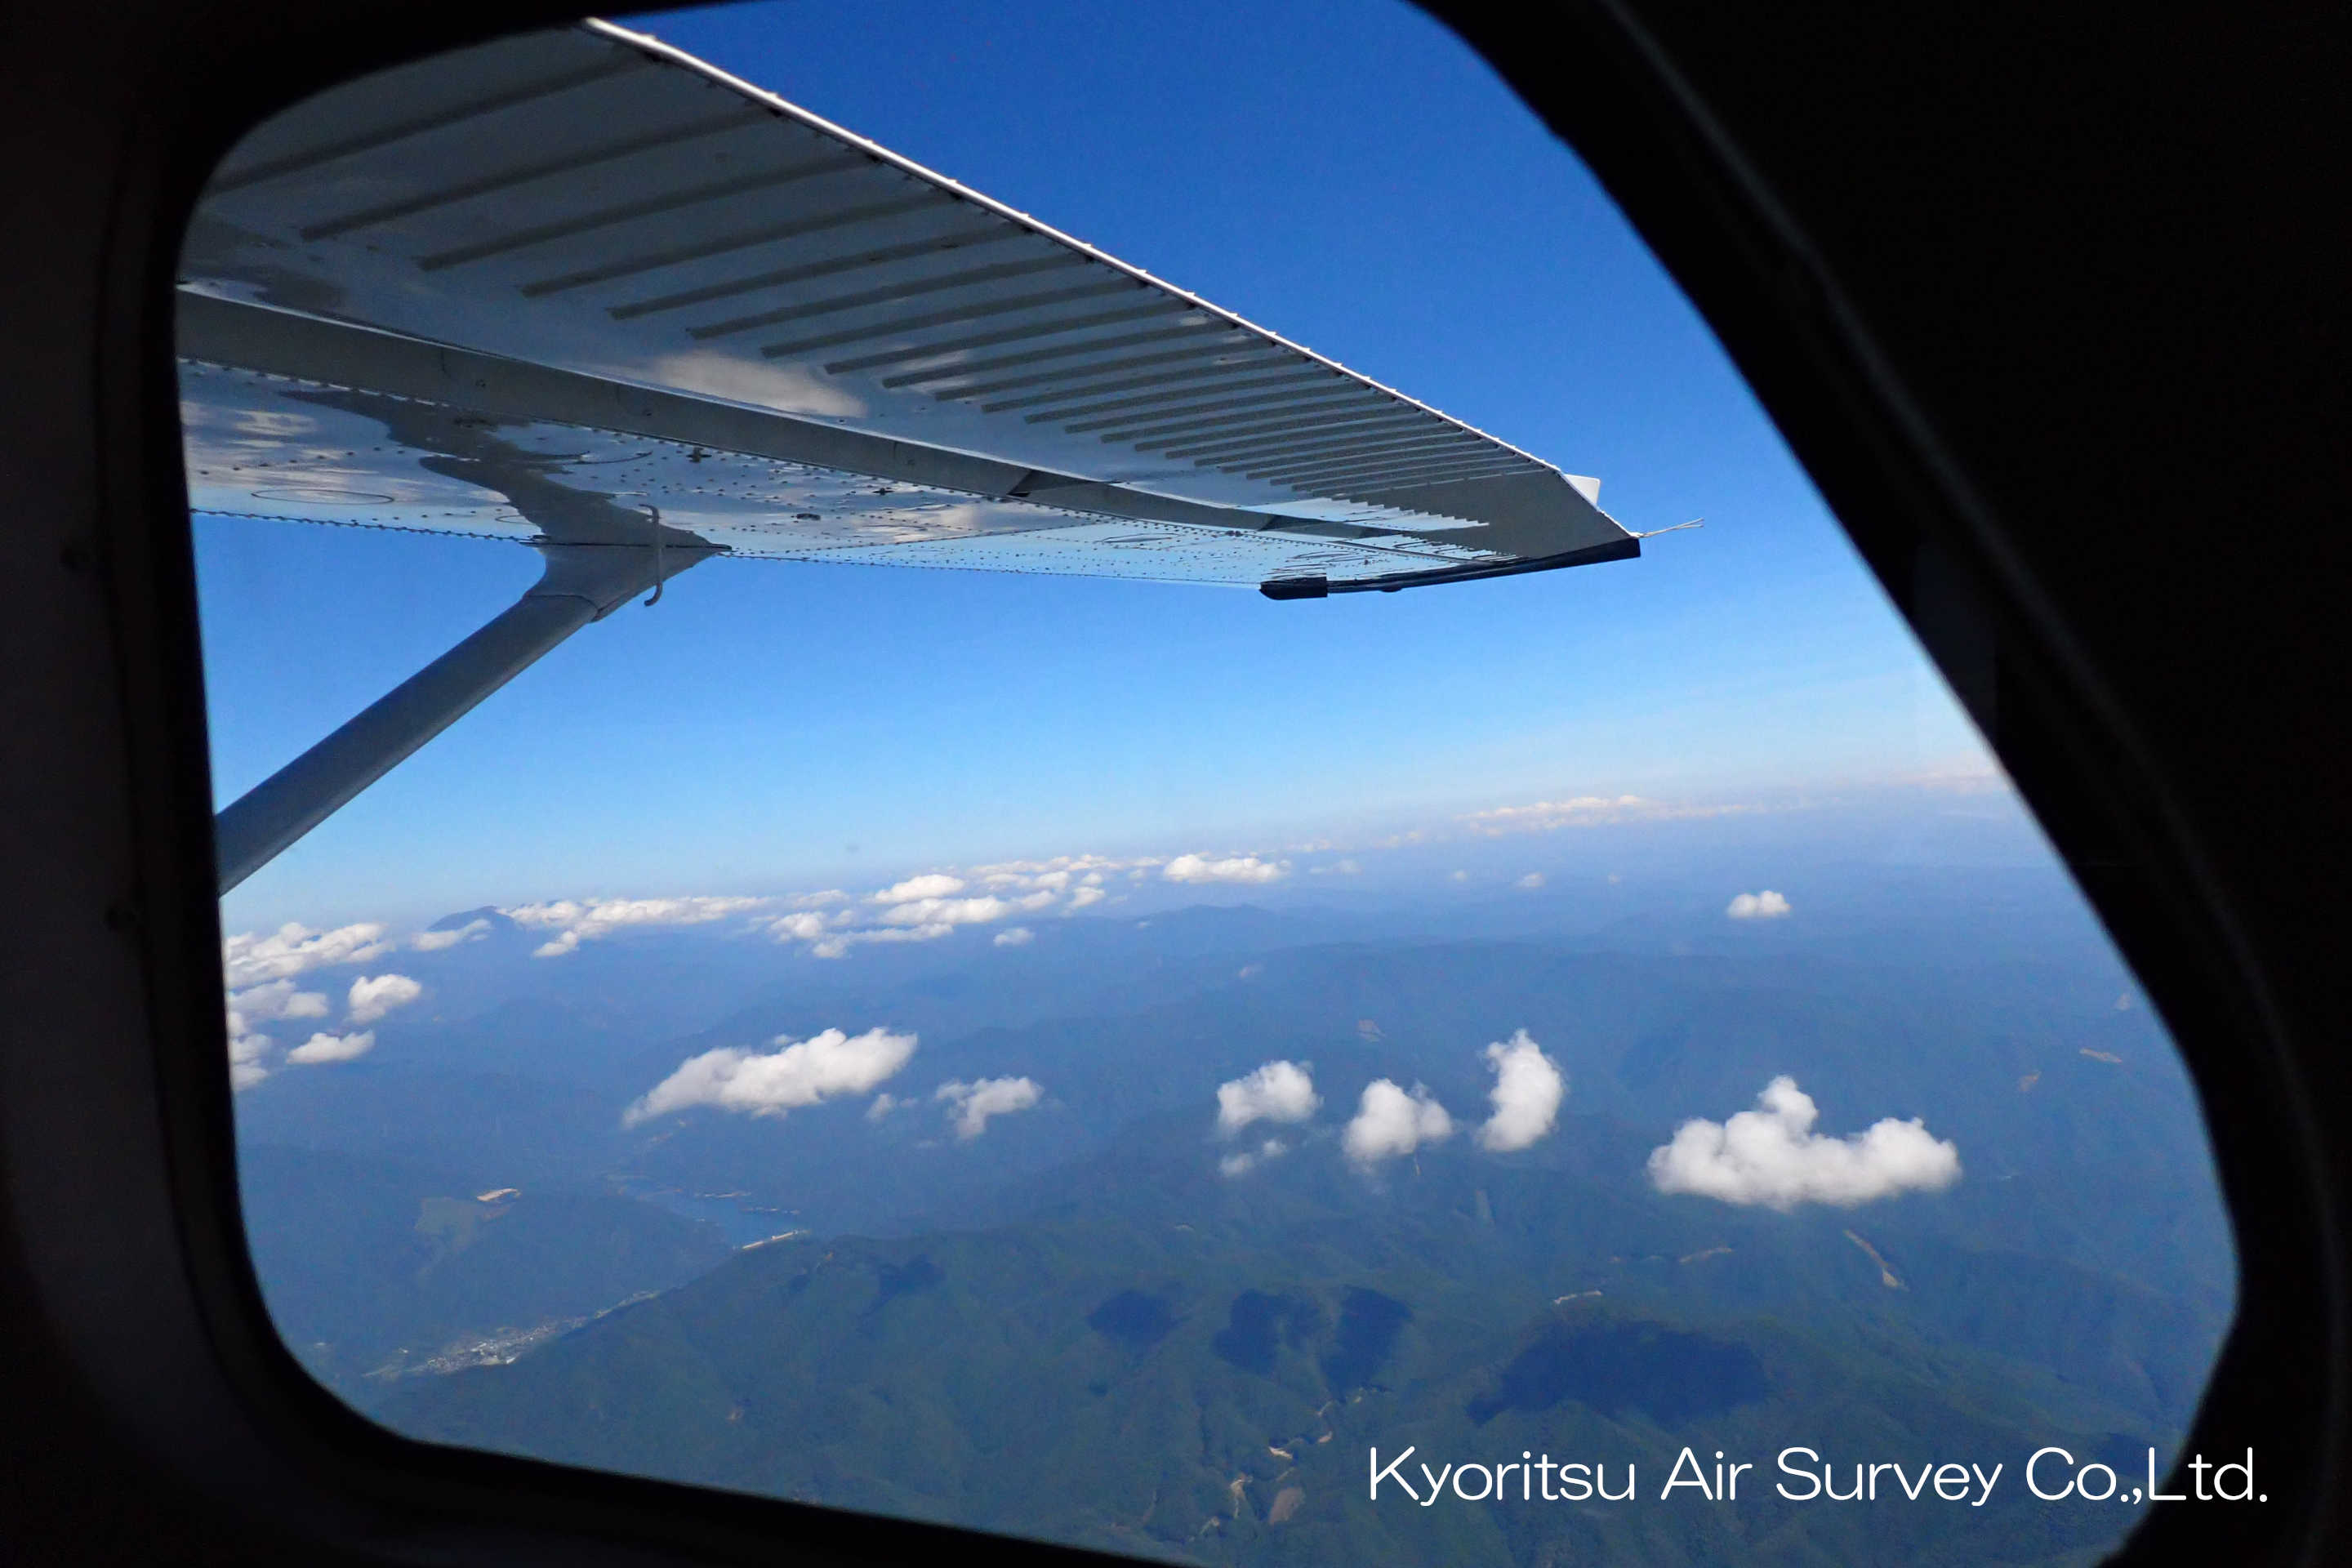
1059 873
930 906
324 1048
251 959
246 1053
249 1048
917 909
1336 868
592 918
1235 1165
1528 1087
1278 1091
1245 868
921 908
277 999
970 1105
1389 1123
797 1073
371 998
932 885
1767 905
807 925
984 910
435 941
1019 936
1772 1156
579 920
1531 881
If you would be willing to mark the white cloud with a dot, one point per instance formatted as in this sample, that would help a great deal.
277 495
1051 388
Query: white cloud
1019 936
589 919
918 908
245 1057
796 1074
1531 881
1457 876
1544 815
1278 1091
1389 1123
1056 873
1000 880
371 998
805 926
971 1104
1772 1156
1767 905
925 908
251 959
248 1049
930 911
435 941
884 1104
325 1048
1246 869
1336 868
838 944
1528 1087
277 999
933 885
1234 1164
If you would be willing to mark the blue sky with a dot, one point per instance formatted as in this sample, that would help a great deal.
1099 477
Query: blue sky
1346 175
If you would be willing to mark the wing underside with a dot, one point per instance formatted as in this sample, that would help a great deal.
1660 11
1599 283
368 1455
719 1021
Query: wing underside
558 284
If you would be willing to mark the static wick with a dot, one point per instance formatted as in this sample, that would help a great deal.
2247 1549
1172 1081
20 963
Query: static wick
658 583
1694 522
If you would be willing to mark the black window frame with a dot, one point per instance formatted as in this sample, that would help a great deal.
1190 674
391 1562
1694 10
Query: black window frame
1885 212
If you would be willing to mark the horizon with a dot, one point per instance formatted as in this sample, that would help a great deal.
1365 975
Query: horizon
1952 819
772 724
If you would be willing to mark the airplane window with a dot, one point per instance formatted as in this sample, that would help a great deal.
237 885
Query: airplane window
940 793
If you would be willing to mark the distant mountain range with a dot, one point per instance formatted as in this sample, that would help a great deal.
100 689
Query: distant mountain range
1073 1326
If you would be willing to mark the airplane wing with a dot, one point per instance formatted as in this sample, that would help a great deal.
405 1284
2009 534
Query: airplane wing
579 288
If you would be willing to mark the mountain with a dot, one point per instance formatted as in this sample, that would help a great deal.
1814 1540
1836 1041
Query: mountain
1078 1323
372 1270
1209 1388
